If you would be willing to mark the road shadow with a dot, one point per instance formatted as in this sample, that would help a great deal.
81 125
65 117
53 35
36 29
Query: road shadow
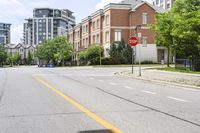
96 131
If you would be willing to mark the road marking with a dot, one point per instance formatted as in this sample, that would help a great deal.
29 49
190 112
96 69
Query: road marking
149 92
111 83
92 115
128 87
177 99
101 80
91 78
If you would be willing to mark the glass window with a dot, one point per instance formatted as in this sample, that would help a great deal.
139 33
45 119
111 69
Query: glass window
93 25
107 20
144 18
144 41
156 2
94 39
118 36
107 36
98 24
97 41
168 5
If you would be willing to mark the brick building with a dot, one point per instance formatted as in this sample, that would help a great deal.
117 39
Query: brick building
117 21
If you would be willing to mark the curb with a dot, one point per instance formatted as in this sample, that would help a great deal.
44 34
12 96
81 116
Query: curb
160 82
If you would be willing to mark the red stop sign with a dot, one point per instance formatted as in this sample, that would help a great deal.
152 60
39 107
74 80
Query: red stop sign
133 41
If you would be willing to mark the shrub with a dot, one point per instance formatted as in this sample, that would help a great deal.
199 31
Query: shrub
147 62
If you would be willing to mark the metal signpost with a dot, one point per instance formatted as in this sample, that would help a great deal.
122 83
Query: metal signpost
140 69
133 41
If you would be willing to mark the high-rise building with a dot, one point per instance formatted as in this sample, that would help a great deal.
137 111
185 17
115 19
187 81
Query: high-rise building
46 24
4 33
166 4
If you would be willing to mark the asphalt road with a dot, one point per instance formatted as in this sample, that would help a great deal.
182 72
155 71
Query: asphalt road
92 100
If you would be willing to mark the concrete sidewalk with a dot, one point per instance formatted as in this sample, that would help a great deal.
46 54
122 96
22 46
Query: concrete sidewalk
167 78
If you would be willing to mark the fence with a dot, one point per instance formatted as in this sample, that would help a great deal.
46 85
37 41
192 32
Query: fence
188 64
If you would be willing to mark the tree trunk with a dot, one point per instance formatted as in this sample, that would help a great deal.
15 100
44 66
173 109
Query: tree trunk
168 56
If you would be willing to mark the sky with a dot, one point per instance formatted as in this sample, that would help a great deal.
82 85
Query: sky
16 11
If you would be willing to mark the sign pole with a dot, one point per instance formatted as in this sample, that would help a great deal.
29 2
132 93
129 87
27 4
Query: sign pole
140 69
140 74
132 59
132 41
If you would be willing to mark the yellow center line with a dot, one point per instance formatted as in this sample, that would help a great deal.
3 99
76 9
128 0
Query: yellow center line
92 115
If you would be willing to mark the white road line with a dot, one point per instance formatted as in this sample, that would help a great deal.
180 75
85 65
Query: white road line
177 99
91 78
149 92
101 80
111 83
128 87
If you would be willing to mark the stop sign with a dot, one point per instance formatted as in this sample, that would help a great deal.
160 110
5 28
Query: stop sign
133 41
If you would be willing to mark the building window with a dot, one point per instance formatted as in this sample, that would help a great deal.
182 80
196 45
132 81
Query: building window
144 41
97 39
83 42
86 28
94 39
86 41
118 36
144 18
107 20
107 36
157 1
168 5
97 24
93 25
83 29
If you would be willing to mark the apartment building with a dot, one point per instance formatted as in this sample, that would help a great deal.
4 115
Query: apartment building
46 24
165 4
86 31
20 49
117 21
4 33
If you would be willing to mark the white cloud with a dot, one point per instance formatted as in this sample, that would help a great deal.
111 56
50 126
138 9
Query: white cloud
17 33
39 4
12 8
101 4
15 13
10 2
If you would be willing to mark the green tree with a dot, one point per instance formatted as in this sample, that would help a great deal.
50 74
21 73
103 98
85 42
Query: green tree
163 30
113 50
186 15
121 52
179 29
92 54
16 58
3 55
57 50
29 58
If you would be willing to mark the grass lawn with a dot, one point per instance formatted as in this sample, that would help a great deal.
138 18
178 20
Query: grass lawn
172 69
126 65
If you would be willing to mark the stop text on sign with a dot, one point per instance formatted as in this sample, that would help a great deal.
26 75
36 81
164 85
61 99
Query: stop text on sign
133 41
